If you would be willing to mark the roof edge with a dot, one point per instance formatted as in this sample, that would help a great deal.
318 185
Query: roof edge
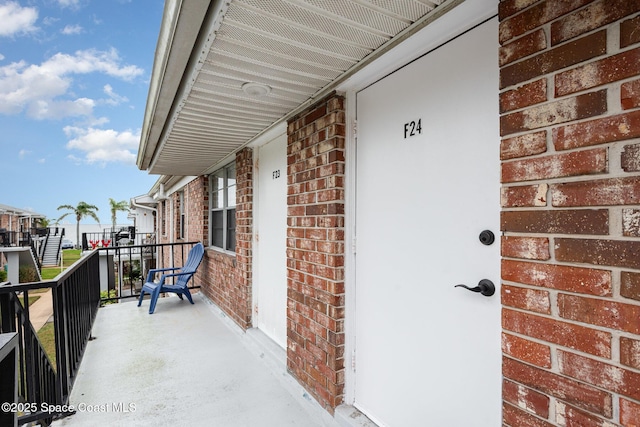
179 30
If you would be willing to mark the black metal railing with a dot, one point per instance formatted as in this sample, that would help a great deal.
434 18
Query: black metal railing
26 238
116 237
15 238
76 297
43 385
36 255
36 239
49 240
129 265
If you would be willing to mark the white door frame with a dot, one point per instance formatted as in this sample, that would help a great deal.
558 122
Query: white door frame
278 131
454 23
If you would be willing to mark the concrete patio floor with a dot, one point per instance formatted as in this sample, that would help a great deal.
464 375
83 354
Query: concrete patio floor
185 365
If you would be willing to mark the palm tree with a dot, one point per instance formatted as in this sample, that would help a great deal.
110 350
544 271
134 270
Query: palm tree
83 209
115 207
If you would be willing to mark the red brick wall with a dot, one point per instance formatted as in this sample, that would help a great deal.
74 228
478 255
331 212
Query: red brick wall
570 123
166 258
226 279
196 197
315 250
11 222
6 222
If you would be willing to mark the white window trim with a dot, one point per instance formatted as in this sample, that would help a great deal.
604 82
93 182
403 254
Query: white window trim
164 224
182 216
224 209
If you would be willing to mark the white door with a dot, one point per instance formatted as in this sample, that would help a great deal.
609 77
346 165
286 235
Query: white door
270 274
428 353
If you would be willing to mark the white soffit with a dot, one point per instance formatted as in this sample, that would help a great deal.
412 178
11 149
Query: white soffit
295 49
456 22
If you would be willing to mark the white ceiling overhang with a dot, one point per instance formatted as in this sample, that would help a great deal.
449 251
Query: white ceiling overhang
197 112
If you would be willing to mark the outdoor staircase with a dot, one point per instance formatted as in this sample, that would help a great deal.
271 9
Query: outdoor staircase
51 251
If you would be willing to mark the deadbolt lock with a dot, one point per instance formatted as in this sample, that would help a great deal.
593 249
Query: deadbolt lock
487 237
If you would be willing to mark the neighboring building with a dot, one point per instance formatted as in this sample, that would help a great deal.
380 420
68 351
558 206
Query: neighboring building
89 231
345 162
142 211
17 220
20 238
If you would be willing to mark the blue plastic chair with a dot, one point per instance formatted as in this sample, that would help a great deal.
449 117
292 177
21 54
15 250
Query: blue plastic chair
183 275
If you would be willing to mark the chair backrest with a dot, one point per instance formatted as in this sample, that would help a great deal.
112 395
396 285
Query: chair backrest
194 258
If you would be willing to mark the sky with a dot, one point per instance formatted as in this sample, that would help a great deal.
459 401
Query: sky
74 79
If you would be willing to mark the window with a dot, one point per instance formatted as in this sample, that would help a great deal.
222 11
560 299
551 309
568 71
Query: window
163 224
223 208
181 218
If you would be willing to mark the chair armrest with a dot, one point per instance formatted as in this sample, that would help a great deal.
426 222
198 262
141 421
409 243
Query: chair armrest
153 272
182 273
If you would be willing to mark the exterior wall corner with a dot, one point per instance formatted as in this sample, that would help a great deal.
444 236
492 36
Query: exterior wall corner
315 250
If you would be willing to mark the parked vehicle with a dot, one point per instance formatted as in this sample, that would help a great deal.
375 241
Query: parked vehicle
67 244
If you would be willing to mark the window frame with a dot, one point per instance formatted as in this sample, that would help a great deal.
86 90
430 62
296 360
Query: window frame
228 175
163 223
182 221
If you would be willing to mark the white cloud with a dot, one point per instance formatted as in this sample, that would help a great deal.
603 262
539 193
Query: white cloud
69 3
17 19
72 29
48 20
38 88
99 121
114 98
1 57
23 154
76 160
43 109
103 145
89 61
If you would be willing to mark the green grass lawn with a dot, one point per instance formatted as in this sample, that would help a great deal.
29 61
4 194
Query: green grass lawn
69 256
32 299
46 334
49 273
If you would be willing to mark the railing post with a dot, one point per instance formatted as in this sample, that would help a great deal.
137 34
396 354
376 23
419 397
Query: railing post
61 340
8 313
29 351
76 298
9 377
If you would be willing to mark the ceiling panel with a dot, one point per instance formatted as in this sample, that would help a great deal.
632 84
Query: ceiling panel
294 47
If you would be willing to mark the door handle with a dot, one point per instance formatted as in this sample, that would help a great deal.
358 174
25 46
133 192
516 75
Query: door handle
485 287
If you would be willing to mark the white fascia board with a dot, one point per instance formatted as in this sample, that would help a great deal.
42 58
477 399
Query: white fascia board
180 28
179 184
201 20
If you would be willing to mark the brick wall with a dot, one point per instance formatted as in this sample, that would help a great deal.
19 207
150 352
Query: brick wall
168 257
226 279
196 197
315 250
164 217
570 123
163 221
6 222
